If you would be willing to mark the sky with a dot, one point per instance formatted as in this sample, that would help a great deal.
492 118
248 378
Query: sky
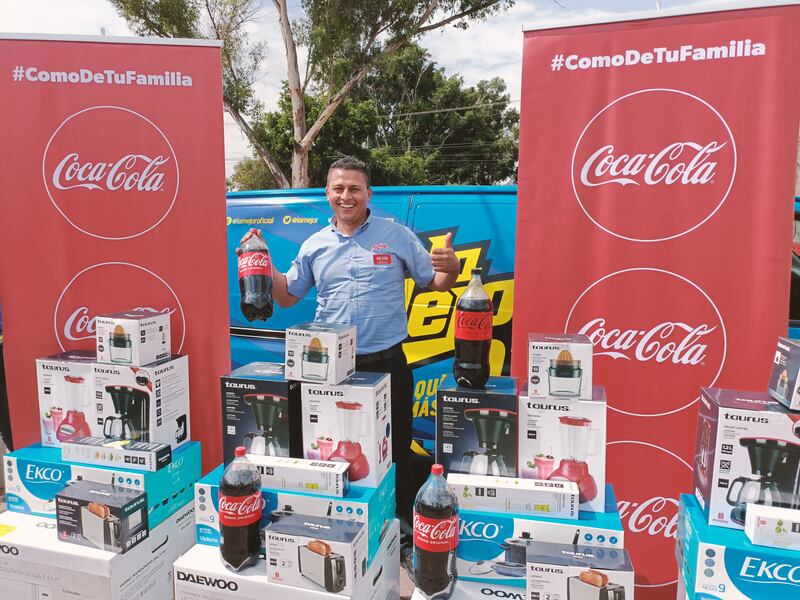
489 49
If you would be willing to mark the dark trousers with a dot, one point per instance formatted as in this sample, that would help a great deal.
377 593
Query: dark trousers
5 421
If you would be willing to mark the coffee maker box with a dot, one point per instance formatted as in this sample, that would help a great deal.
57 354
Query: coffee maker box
565 439
476 430
38 566
35 474
324 477
773 526
320 352
559 365
316 553
748 447
64 384
148 404
144 456
784 381
260 411
133 338
351 422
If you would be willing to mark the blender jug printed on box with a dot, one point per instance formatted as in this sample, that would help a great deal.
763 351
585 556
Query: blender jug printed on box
320 352
133 338
559 365
64 385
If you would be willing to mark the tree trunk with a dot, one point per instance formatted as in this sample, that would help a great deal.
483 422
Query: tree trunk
273 166
300 168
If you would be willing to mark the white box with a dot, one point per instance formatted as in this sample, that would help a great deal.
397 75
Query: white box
146 456
559 365
784 381
773 526
133 338
562 438
317 553
320 352
327 478
558 499
350 422
156 396
38 566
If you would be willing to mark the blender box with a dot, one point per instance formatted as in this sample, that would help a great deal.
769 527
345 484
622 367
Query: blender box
35 565
748 449
578 572
374 507
132 338
147 404
325 477
784 381
565 439
64 386
200 574
108 517
476 430
537 497
145 456
316 553
773 526
492 547
559 365
260 411
34 475
351 422
320 352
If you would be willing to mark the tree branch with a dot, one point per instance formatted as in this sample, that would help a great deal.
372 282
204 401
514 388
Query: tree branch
264 153
455 17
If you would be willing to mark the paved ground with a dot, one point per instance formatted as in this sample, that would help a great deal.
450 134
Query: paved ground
406 584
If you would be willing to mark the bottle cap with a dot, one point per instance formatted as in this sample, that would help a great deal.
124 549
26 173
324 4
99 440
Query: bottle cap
437 469
240 451
477 271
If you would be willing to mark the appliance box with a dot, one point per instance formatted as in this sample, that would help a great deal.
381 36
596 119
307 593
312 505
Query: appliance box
559 365
327 478
773 526
260 411
34 475
145 456
784 383
133 338
476 430
748 446
316 553
351 421
320 352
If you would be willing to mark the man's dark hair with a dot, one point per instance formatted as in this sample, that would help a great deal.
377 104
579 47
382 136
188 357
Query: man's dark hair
351 163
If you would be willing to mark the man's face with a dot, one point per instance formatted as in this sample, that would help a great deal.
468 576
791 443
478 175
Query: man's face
348 196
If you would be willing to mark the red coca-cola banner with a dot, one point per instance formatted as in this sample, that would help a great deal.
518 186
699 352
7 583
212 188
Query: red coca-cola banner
657 168
112 198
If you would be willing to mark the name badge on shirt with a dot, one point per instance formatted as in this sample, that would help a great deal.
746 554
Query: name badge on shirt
381 259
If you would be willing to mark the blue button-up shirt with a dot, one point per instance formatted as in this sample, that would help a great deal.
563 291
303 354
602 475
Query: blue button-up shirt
360 278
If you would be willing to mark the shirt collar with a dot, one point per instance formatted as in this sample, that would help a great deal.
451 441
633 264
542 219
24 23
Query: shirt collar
363 226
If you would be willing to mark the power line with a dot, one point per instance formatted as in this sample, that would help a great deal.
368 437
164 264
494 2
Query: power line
444 110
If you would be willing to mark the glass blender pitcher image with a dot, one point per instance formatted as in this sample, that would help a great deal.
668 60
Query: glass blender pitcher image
352 427
315 360
74 425
267 410
492 425
578 442
565 376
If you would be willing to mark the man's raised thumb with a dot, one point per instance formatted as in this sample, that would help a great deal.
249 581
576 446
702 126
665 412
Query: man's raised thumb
448 240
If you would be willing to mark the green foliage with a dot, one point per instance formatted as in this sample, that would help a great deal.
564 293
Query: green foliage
165 18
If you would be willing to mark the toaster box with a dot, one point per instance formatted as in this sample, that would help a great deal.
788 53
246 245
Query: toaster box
565 439
578 572
148 404
476 430
559 365
324 477
260 411
773 526
320 352
145 456
350 422
133 338
784 382
34 475
748 447
316 553
37 566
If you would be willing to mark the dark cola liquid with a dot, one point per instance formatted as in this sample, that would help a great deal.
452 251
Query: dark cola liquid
471 359
256 295
240 506
434 571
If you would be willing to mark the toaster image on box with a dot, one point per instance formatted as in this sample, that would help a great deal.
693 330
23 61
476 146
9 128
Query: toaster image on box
593 585
323 567
103 532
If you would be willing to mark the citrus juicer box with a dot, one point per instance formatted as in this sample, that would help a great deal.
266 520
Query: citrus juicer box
133 338
320 352
559 365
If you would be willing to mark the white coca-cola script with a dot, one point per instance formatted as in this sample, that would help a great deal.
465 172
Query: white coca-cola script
80 326
435 535
656 516
251 260
130 172
240 510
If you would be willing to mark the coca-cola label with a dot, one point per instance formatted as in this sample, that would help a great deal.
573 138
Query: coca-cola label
239 511
254 263
471 325
435 535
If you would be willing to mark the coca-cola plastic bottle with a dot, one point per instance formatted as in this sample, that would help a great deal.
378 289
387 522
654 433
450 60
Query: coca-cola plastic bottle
255 277
240 508
473 335
435 537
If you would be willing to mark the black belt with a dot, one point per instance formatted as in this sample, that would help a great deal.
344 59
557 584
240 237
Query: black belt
373 357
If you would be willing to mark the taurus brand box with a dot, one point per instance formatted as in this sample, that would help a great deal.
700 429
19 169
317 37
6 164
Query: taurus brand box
133 338
316 553
34 475
260 411
320 352
149 404
559 365
144 456
328 478
372 506
64 385
492 547
351 421
784 383
748 446
557 499
200 573
575 572
38 566
773 526
565 438
476 430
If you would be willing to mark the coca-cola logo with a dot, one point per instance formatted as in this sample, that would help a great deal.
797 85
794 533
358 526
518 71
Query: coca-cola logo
652 355
435 535
111 172
241 506
251 260
653 165
111 287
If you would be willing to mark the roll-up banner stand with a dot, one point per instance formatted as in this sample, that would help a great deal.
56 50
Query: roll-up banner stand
657 170
112 198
